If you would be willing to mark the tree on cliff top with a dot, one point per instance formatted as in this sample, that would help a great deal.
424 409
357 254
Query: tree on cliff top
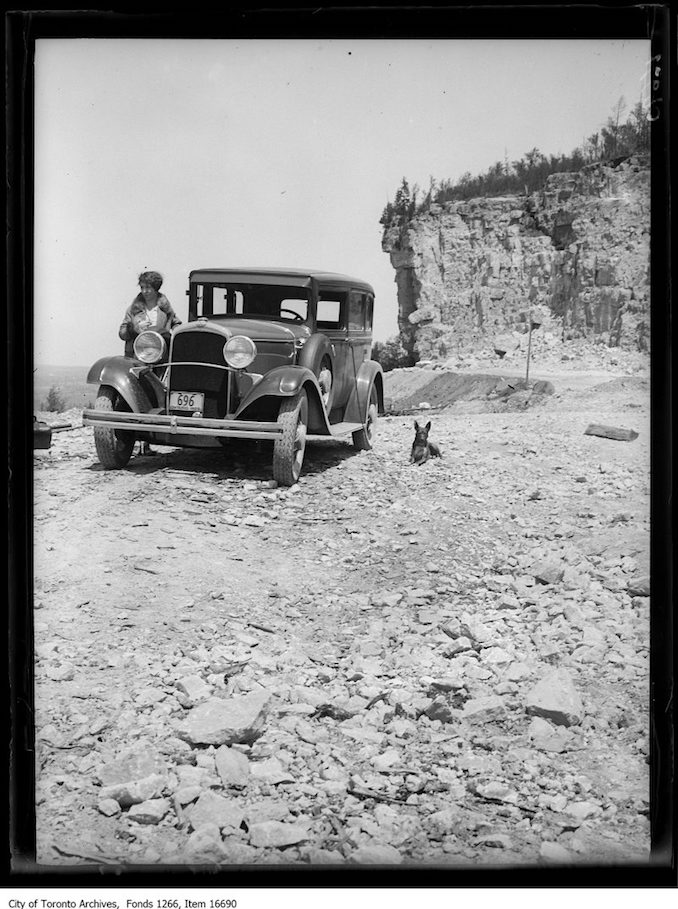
404 204
616 139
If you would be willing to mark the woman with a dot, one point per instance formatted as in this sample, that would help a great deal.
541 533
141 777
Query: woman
149 310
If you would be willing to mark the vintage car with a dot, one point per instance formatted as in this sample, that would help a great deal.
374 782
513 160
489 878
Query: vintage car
265 354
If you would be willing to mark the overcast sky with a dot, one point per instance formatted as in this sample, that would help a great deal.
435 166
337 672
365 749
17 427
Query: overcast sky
179 154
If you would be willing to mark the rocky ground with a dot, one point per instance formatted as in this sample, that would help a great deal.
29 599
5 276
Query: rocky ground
384 664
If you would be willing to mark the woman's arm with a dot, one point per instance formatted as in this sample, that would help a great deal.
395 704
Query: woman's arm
126 331
134 322
172 318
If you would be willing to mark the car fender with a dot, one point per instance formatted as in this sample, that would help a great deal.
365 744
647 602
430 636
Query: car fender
314 350
284 382
115 371
369 374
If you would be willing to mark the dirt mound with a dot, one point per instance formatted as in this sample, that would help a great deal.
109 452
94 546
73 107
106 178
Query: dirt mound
626 384
439 390
492 390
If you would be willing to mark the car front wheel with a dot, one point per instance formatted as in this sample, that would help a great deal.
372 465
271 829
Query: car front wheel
289 448
114 446
363 439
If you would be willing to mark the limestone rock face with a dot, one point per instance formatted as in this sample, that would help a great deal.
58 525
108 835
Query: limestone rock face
575 256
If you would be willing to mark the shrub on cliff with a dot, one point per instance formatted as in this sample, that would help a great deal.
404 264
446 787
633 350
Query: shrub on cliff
391 354
618 139
403 206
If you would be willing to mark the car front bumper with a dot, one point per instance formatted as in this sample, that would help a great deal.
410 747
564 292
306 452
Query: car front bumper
171 424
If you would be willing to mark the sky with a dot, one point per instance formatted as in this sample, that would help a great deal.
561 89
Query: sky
173 155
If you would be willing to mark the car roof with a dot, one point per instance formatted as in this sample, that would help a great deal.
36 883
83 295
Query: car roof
323 277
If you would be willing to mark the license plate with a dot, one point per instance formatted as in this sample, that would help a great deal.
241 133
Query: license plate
192 401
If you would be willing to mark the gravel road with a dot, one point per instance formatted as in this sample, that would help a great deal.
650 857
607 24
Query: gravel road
385 664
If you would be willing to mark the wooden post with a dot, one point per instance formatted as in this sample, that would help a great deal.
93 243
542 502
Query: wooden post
529 348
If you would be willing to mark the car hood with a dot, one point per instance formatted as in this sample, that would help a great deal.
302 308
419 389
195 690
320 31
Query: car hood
262 330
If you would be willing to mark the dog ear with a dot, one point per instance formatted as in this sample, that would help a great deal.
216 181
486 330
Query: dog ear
428 426
416 426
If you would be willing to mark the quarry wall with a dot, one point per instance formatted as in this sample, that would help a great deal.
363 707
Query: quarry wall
575 257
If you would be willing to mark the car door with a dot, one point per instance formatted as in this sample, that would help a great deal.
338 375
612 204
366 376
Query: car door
331 316
360 305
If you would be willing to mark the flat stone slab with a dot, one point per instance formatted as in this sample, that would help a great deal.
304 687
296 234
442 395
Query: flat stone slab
489 708
555 853
194 688
277 834
134 763
212 808
232 766
639 586
376 855
150 812
555 698
617 433
220 721
266 809
547 738
548 572
497 792
134 792
270 771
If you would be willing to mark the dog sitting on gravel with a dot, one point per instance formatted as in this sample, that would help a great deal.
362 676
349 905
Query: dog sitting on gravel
422 449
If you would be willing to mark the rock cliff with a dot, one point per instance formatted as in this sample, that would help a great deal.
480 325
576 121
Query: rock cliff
575 255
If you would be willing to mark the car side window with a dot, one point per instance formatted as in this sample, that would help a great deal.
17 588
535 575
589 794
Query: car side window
369 309
331 309
356 311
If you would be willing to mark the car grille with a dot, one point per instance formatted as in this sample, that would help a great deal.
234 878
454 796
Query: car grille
197 364
198 347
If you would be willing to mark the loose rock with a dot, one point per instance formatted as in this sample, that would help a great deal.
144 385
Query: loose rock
226 721
277 834
212 808
232 766
556 698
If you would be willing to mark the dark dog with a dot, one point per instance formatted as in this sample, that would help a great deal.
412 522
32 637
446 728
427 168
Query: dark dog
422 449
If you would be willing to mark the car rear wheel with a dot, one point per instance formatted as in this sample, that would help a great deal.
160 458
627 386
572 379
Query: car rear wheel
114 446
363 439
289 448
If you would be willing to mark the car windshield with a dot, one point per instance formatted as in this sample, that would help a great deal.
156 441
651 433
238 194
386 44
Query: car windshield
258 301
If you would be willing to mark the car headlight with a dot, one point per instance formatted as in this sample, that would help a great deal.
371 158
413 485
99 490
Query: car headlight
149 347
239 351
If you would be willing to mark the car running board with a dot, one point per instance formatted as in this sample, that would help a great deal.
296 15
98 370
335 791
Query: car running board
340 429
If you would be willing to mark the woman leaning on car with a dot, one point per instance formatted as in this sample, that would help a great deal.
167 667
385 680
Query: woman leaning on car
149 310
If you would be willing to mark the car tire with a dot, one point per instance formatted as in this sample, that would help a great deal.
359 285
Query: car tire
326 382
317 356
363 439
289 448
114 446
